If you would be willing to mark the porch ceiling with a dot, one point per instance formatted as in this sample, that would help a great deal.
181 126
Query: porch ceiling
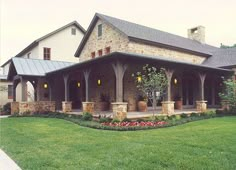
142 59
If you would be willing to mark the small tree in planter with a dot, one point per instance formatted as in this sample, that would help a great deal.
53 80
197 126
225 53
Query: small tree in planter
229 94
151 82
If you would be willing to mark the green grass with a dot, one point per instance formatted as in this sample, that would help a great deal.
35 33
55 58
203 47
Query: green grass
46 143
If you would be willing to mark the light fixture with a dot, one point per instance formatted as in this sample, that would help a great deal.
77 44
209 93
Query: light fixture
45 85
99 82
78 84
139 79
175 81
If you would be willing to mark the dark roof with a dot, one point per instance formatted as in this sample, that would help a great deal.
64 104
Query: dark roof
123 55
35 43
145 34
222 58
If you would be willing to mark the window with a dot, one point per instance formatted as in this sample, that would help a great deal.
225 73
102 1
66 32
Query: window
73 31
10 91
99 30
46 53
107 50
100 52
93 55
28 55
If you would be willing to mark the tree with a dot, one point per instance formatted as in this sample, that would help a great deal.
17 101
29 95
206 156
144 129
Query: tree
151 82
226 46
229 93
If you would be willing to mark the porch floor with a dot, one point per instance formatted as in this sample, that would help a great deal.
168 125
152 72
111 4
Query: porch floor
137 114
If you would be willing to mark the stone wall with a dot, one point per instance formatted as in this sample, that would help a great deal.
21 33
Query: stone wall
39 106
111 37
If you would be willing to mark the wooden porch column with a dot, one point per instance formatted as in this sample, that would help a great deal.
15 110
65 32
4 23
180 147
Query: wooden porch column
213 95
202 77
23 89
65 78
119 70
86 77
169 74
14 90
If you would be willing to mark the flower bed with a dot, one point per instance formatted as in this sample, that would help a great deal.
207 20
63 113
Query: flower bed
140 124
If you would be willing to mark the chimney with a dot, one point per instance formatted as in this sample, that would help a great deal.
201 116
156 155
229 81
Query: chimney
197 34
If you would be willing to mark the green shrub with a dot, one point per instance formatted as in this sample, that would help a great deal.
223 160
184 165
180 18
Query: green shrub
87 116
184 115
7 108
115 121
194 114
104 120
177 117
126 120
161 118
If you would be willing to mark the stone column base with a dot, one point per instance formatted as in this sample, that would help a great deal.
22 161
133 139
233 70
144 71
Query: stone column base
168 107
88 107
225 104
66 106
201 106
14 107
119 110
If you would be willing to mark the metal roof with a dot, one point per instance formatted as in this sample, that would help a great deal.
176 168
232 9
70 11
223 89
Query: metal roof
37 67
145 34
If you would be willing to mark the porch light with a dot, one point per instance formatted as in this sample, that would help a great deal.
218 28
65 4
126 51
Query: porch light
78 84
45 85
99 82
139 79
175 81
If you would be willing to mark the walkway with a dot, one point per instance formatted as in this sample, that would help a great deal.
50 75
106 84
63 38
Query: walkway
6 163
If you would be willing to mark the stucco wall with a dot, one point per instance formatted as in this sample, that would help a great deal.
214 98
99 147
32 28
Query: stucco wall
4 94
111 37
34 53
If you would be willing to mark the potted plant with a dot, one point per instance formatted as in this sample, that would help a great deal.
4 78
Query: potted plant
178 102
103 104
142 103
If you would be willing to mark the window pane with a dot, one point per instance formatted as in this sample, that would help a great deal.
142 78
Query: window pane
99 30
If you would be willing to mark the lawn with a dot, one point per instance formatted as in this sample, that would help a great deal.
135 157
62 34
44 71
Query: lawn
46 143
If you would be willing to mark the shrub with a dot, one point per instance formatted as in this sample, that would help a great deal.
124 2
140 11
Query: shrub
87 116
115 121
177 117
7 108
184 115
160 118
126 120
104 120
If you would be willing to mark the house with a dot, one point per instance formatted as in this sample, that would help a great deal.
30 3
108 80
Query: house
112 49
58 45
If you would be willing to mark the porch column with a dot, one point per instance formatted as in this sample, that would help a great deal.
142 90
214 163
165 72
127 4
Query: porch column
119 108
187 92
35 84
119 70
213 95
88 107
201 105
66 105
14 90
23 89
168 106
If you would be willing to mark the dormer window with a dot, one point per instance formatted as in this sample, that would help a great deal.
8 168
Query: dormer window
46 53
73 31
99 30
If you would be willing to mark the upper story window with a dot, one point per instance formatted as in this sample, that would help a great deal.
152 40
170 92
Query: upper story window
46 53
93 55
107 50
99 30
73 31
100 52
28 55
10 91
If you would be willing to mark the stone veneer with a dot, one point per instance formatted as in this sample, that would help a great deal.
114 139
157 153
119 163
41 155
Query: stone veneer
14 107
88 107
119 110
66 106
201 106
168 107
32 107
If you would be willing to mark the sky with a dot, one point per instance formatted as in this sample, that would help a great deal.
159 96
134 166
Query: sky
23 21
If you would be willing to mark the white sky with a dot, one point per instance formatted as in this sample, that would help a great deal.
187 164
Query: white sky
23 21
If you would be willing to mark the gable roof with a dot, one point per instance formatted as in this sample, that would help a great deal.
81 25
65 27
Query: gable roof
35 43
36 67
149 35
222 58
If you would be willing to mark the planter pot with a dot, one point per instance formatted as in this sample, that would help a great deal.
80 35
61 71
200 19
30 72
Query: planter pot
142 106
179 105
102 106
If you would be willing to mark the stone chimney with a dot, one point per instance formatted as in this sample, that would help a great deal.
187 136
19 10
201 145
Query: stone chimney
197 34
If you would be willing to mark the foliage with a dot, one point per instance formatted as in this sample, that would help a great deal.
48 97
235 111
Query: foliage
87 116
7 108
150 82
104 120
226 46
229 93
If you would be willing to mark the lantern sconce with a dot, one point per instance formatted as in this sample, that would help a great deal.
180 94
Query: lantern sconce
78 84
175 81
139 78
45 85
99 82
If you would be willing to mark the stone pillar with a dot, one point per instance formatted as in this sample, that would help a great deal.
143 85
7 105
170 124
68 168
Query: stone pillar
14 107
86 77
201 106
66 106
119 110
119 70
168 107
88 107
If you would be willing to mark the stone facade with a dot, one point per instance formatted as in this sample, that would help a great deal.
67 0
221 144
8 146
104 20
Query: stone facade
88 107
201 106
66 106
119 111
33 107
168 107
